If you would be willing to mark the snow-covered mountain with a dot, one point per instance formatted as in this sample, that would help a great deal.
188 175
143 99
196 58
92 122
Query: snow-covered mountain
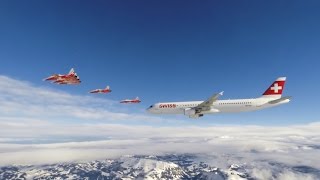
126 167
134 167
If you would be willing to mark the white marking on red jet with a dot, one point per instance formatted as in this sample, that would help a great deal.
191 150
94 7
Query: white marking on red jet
105 90
70 78
136 100
195 109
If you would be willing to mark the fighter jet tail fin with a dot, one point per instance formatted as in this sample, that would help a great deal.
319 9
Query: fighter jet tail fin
71 71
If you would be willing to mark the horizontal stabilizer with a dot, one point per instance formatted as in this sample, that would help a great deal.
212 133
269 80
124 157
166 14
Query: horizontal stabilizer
279 100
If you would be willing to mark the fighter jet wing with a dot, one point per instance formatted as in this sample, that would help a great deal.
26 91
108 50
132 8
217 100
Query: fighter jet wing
205 105
73 78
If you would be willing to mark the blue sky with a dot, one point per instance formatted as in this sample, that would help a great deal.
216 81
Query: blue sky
170 51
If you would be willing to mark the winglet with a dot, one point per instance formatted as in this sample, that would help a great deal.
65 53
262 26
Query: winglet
221 93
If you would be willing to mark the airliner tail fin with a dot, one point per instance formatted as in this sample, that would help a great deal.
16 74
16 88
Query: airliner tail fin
276 88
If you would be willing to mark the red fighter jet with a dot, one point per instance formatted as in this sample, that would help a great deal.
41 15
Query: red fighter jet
70 78
104 91
136 100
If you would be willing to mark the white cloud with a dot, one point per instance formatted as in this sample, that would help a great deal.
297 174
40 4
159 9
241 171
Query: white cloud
248 142
289 175
262 173
266 172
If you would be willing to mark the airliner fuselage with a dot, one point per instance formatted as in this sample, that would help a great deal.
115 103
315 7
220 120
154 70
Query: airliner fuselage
194 109
220 106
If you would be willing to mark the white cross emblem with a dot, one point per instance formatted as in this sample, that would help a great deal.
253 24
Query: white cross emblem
276 88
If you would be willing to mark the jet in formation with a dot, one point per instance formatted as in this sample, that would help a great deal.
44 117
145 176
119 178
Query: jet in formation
103 91
195 109
70 78
73 78
136 100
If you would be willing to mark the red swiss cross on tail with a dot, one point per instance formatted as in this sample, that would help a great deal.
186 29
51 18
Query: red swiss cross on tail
276 88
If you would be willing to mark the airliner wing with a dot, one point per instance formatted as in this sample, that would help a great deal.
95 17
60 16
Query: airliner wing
206 104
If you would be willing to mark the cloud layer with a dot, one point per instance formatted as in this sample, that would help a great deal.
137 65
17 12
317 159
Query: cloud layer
289 145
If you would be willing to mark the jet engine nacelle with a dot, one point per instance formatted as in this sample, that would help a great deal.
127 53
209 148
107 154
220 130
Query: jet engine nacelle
196 116
189 112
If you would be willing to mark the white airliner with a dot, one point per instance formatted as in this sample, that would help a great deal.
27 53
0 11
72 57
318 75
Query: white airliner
195 109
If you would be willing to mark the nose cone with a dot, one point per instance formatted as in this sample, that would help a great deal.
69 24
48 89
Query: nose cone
150 109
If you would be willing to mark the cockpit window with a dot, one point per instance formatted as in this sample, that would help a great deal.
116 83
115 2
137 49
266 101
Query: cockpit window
151 106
